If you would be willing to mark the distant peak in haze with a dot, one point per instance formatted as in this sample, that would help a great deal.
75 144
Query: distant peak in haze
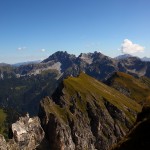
3 64
124 56
26 63
145 59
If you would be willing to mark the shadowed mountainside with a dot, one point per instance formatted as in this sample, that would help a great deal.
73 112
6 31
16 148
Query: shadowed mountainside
139 137
137 89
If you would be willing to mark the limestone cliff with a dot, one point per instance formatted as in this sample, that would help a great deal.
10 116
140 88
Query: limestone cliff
27 135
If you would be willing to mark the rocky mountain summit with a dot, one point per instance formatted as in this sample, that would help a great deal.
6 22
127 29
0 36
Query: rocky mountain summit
94 64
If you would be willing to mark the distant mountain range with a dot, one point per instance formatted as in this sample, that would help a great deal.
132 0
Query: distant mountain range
145 59
4 64
26 63
63 62
95 64
86 57
125 56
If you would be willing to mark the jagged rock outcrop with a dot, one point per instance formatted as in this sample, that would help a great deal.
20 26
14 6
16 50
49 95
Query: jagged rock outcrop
86 114
27 135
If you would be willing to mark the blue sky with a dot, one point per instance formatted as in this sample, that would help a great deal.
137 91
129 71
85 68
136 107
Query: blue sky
34 29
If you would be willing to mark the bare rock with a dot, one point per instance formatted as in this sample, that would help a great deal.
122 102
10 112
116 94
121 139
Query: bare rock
27 132
27 135
2 143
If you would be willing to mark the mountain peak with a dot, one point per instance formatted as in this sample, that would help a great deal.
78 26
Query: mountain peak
86 57
59 56
124 56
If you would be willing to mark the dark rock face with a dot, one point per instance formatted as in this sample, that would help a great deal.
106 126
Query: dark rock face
75 134
60 134
104 128
94 64
78 119
139 137
64 58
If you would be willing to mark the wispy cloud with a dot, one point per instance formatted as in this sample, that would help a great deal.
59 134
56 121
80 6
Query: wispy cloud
128 47
21 48
43 50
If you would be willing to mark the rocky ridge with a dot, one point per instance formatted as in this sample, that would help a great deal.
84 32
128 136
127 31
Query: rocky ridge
86 114
137 89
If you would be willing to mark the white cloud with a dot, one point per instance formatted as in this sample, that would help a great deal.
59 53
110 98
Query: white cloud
43 50
128 47
21 48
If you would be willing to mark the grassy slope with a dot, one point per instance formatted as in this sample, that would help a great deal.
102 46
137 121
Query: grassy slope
88 86
2 121
139 88
86 89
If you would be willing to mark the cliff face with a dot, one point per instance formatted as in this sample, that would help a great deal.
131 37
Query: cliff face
27 135
139 137
86 114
